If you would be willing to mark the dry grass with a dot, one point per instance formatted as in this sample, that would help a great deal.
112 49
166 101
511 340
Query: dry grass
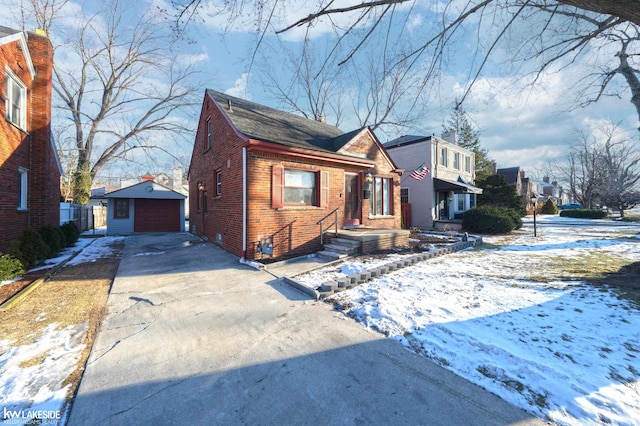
75 295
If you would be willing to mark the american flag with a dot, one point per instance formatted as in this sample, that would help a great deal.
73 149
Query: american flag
420 172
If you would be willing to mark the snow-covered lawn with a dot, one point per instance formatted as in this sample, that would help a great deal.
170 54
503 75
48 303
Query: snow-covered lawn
34 375
518 317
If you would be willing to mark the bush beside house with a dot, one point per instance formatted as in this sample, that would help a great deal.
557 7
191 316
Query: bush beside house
35 246
491 220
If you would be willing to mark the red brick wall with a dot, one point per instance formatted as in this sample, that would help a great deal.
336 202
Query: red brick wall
31 149
221 220
44 173
293 230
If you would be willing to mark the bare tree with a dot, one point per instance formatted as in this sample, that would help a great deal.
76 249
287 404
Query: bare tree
311 89
119 86
603 168
583 171
621 162
551 34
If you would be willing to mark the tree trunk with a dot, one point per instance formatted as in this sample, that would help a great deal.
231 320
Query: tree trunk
82 181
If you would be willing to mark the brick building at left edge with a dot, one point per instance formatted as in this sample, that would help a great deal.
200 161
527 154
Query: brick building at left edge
29 165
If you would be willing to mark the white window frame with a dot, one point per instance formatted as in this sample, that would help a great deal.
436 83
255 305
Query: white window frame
11 81
456 160
293 187
443 156
218 183
381 201
208 134
467 163
23 188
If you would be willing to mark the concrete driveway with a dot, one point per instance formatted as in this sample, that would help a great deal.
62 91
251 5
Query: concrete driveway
194 337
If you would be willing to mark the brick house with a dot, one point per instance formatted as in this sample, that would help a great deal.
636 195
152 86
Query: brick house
29 165
439 199
261 175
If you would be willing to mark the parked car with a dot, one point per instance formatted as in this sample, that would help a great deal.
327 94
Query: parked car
570 206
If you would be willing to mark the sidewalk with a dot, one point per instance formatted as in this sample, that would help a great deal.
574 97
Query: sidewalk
193 336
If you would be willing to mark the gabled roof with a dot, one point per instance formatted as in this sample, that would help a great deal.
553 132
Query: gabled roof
510 173
148 189
9 35
271 125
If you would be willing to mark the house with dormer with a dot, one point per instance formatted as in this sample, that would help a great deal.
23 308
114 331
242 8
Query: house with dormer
264 179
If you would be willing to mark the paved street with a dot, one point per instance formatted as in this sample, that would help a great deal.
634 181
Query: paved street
194 337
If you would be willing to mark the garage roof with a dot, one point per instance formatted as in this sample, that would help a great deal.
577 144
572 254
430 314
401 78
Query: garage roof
147 189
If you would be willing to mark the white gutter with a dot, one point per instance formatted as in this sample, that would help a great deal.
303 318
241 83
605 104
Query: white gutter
244 202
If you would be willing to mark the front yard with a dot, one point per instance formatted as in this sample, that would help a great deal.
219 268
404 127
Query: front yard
550 324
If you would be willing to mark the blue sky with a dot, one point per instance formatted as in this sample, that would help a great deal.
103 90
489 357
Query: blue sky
519 126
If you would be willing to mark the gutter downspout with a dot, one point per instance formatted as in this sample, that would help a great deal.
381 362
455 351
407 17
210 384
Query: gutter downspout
244 202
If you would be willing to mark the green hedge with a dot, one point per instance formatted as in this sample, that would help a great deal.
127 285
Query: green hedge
71 233
34 247
10 267
584 213
549 207
491 220
30 249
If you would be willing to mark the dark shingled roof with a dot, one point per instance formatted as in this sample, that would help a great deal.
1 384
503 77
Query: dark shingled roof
271 125
6 31
405 140
510 173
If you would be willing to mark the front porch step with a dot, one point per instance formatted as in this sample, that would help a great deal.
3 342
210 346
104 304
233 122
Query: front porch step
342 248
339 248
331 255
344 242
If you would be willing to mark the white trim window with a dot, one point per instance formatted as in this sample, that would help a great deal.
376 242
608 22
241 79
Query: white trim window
381 197
456 160
443 156
23 184
16 100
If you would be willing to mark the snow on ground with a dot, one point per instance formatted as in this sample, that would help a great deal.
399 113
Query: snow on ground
32 376
498 316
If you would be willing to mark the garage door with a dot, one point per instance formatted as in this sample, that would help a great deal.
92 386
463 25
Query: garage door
156 215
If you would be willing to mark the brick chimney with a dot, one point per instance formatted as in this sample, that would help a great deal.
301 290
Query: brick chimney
44 174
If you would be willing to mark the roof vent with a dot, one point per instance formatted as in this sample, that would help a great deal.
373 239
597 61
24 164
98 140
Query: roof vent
229 105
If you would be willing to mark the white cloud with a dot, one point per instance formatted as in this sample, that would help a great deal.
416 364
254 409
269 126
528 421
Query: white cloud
239 89
414 21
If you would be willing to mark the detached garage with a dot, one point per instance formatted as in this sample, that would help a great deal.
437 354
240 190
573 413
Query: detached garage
145 207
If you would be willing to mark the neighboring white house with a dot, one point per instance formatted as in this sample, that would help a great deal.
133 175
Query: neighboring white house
145 207
447 191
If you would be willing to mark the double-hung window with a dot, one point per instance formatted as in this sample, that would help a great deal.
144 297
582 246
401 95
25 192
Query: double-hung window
218 175
380 201
16 100
299 188
467 164
23 181
443 157
456 160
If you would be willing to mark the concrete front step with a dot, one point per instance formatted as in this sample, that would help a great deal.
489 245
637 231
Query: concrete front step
333 255
344 242
341 248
